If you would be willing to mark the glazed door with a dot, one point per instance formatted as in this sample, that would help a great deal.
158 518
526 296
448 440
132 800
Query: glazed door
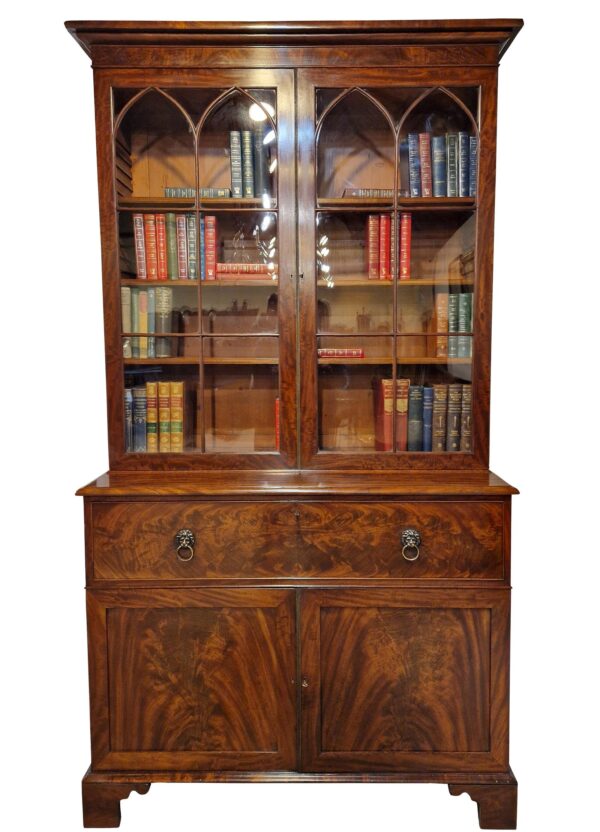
407 680
192 679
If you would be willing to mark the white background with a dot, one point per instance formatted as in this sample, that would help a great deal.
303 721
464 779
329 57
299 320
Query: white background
544 434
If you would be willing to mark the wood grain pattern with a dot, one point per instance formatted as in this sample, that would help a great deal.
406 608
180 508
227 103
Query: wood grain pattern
134 540
102 802
496 804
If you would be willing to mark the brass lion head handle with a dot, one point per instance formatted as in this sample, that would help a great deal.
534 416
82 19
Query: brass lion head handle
411 541
184 543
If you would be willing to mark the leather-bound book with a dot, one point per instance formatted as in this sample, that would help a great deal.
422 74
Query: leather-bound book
182 257
139 420
172 253
438 164
453 417
373 246
384 247
152 417
414 165
402 387
235 158
466 421
415 418
247 164
427 418
140 246
405 245
384 411
425 158
192 242
438 422
162 270
164 416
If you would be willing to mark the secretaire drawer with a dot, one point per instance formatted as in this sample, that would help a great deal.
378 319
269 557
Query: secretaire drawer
294 539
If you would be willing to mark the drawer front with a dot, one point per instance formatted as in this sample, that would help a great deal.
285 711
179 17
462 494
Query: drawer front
262 540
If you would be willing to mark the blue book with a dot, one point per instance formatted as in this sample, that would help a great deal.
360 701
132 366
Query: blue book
463 164
202 251
452 164
415 418
438 164
151 322
414 165
427 418
473 159
128 420
139 420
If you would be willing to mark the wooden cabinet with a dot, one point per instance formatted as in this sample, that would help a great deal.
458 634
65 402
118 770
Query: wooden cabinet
298 564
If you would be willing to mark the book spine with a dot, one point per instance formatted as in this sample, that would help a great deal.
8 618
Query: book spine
453 325
340 352
427 418
415 418
164 313
162 269
126 320
384 247
135 322
261 176
140 247
405 245
182 267
151 417
176 417
143 321
192 242
247 164
463 342
463 164
210 246
139 420
452 163
277 424
151 323
128 420
425 159
414 165
373 246
235 158
402 387
473 165
438 163
243 268
384 415
440 405
466 429
150 244
164 417
172 250
453 417
441 324
393 247
202 249
215 193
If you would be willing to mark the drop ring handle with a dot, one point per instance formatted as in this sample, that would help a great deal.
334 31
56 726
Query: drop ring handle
411 542
184 545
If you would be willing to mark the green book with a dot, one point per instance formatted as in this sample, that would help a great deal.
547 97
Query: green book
463 347
171 229
453 325
135 323
466 431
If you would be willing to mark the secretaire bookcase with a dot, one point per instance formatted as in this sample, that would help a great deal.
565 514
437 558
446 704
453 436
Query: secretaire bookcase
298 564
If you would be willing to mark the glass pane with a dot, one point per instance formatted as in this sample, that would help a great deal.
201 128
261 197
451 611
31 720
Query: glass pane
433 408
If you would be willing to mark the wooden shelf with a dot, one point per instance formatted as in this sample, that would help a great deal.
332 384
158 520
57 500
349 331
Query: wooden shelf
158 203
134 281
240 361
181 359
390 360
364 281
442 203
241 281
145 284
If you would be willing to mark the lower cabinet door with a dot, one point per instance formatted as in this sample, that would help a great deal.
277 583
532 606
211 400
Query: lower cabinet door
185 679
404 680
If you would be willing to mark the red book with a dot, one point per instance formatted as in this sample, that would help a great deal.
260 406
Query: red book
150 243
140 248
405 239
340 352
277 444
425 157
182 262
384 414
210 247
385 233
402 385
373 246
161 247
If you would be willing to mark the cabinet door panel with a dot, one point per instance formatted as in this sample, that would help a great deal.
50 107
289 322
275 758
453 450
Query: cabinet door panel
194 679
407 680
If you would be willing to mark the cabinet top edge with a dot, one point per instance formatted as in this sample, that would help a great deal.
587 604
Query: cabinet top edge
88 33
286 484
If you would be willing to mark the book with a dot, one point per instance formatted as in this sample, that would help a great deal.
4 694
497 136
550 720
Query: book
172 249
452 164
441 324
247 164
405 245
402 387
466 435
369 193
135 323
427 418
140 247
151 417
176 416
463 342
128 402
453 417
259 157
473 165
425 161
438 427
235 160
393 247
142 298
205 193
182 247
126 320
139 420
373 246
240 269
384 414
164 416
345 352
151 293
202 249
438 165
163 320
150 247
161 247
277 424
414 165
384 247
210 247
415 418
463 163
453 325
192 245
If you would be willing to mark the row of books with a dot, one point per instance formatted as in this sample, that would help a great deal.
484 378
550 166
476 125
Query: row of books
428 418
454 313
190 193
248 157
154 417
382 248
147 311
442 166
